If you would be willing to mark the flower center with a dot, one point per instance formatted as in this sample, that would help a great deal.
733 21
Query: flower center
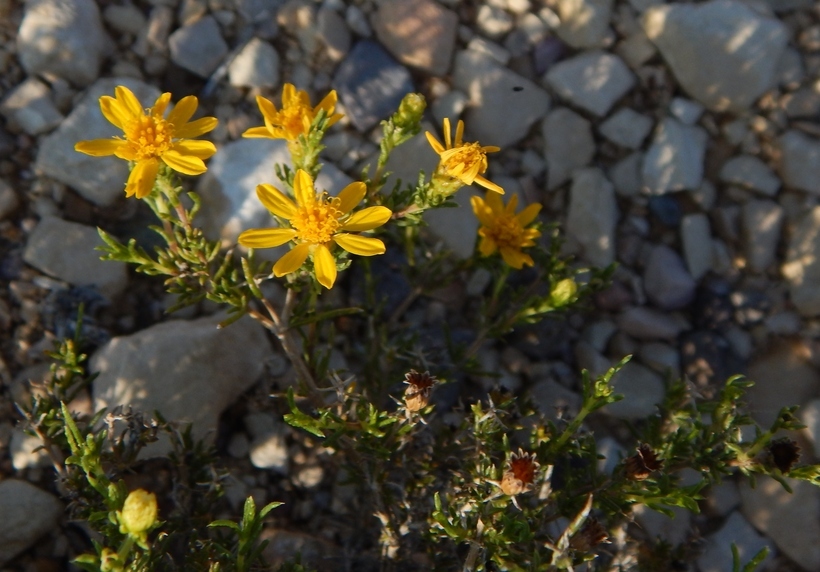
507 231
290 119
150 135
468 158
316 223
523 469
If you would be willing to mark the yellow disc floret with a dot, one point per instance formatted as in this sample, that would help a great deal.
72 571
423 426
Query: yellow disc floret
317 223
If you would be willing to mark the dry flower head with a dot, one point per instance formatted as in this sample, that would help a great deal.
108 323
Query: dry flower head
784 453
642 464
520 473
420 386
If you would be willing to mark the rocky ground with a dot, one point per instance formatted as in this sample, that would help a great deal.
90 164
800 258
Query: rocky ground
681 140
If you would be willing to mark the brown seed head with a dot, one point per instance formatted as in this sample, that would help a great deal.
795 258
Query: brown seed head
640 465
590 536
784 453
520 473
417 394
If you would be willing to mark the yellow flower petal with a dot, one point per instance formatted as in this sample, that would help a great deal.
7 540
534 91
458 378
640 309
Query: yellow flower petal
515 258
367 219
482 211
113 111
266 237
292 261
351 196
361 245
257 132
183 111
496 204
325 266
303 188
447 141
489 185
434 143
161 104
328 102
195 148
129 101
99 147
127 153
142 177
487 246
528 215
186 164
459 133
276 201
289 95
196 128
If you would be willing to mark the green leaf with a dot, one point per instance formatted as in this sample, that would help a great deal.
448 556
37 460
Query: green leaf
269 507
225 523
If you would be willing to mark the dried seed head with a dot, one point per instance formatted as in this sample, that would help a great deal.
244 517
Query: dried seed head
520 474
640 465
590 536
417 394
784 453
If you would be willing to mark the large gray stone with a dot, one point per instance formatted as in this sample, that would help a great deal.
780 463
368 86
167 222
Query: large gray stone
503 105
750 172
800 161
584 23
256 65
198 47
593 215
801 268
722 52
65 250
761 222
189 371
593 80
100 180
28 513
568 144
674 161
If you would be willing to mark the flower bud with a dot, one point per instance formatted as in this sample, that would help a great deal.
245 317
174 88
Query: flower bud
410 111
139 513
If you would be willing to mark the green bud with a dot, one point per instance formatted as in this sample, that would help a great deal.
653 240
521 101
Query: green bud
410 111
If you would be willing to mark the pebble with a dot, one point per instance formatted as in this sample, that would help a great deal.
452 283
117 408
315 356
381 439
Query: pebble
717 555
666 210
568 144
784 323
371 84
334 34
642 388
63 37
491 88
636 50
584 23
627 128
662 358
456 228
674 160
685 110
419 33
666 280
722 52
195 371
661 528
626 175
593 215
800 163
597 334
8 200
357 21
761 221
488 48
555 401
126 18
809 415
696 239
29 107
228 189
493 22
750 172
314 553
592 80
65 250
803 103
801 268
256 65
57 158
26 451
268 447
28 513
775 512
198 47
648 324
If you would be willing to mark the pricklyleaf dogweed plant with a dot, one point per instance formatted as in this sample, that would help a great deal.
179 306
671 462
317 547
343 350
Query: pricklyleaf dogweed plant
482 480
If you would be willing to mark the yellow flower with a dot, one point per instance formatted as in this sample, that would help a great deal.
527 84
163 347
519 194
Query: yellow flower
151 139
138 514
504 230
317 222
295 117
465 162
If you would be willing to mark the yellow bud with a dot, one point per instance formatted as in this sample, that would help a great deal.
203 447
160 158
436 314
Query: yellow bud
139 513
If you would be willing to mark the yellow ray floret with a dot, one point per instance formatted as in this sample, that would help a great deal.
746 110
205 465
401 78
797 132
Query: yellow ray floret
150 139
295 117
466 162
504 231
316 222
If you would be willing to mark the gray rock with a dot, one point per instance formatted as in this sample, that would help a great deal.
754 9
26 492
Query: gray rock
626 175
636 50
685 110
493 22
666 280
188 370
8 199
722 52
26 451
29 107
333 33
28 513
660 527
593 215
315 553
696 236
100 180
801 268
626 127
228 189
790 520
717 556
357 21
750 172
662 358
723 498
593 80
371 84
568 143
268 448
492 87
419 33
256 65
488 48
555 401
590 359
198 47
65 250
761 222
642 388
784 323
127 18
584 23
800 162
597 334
648 324
809 415
674 160
803 103
451 105
457 228
63 37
